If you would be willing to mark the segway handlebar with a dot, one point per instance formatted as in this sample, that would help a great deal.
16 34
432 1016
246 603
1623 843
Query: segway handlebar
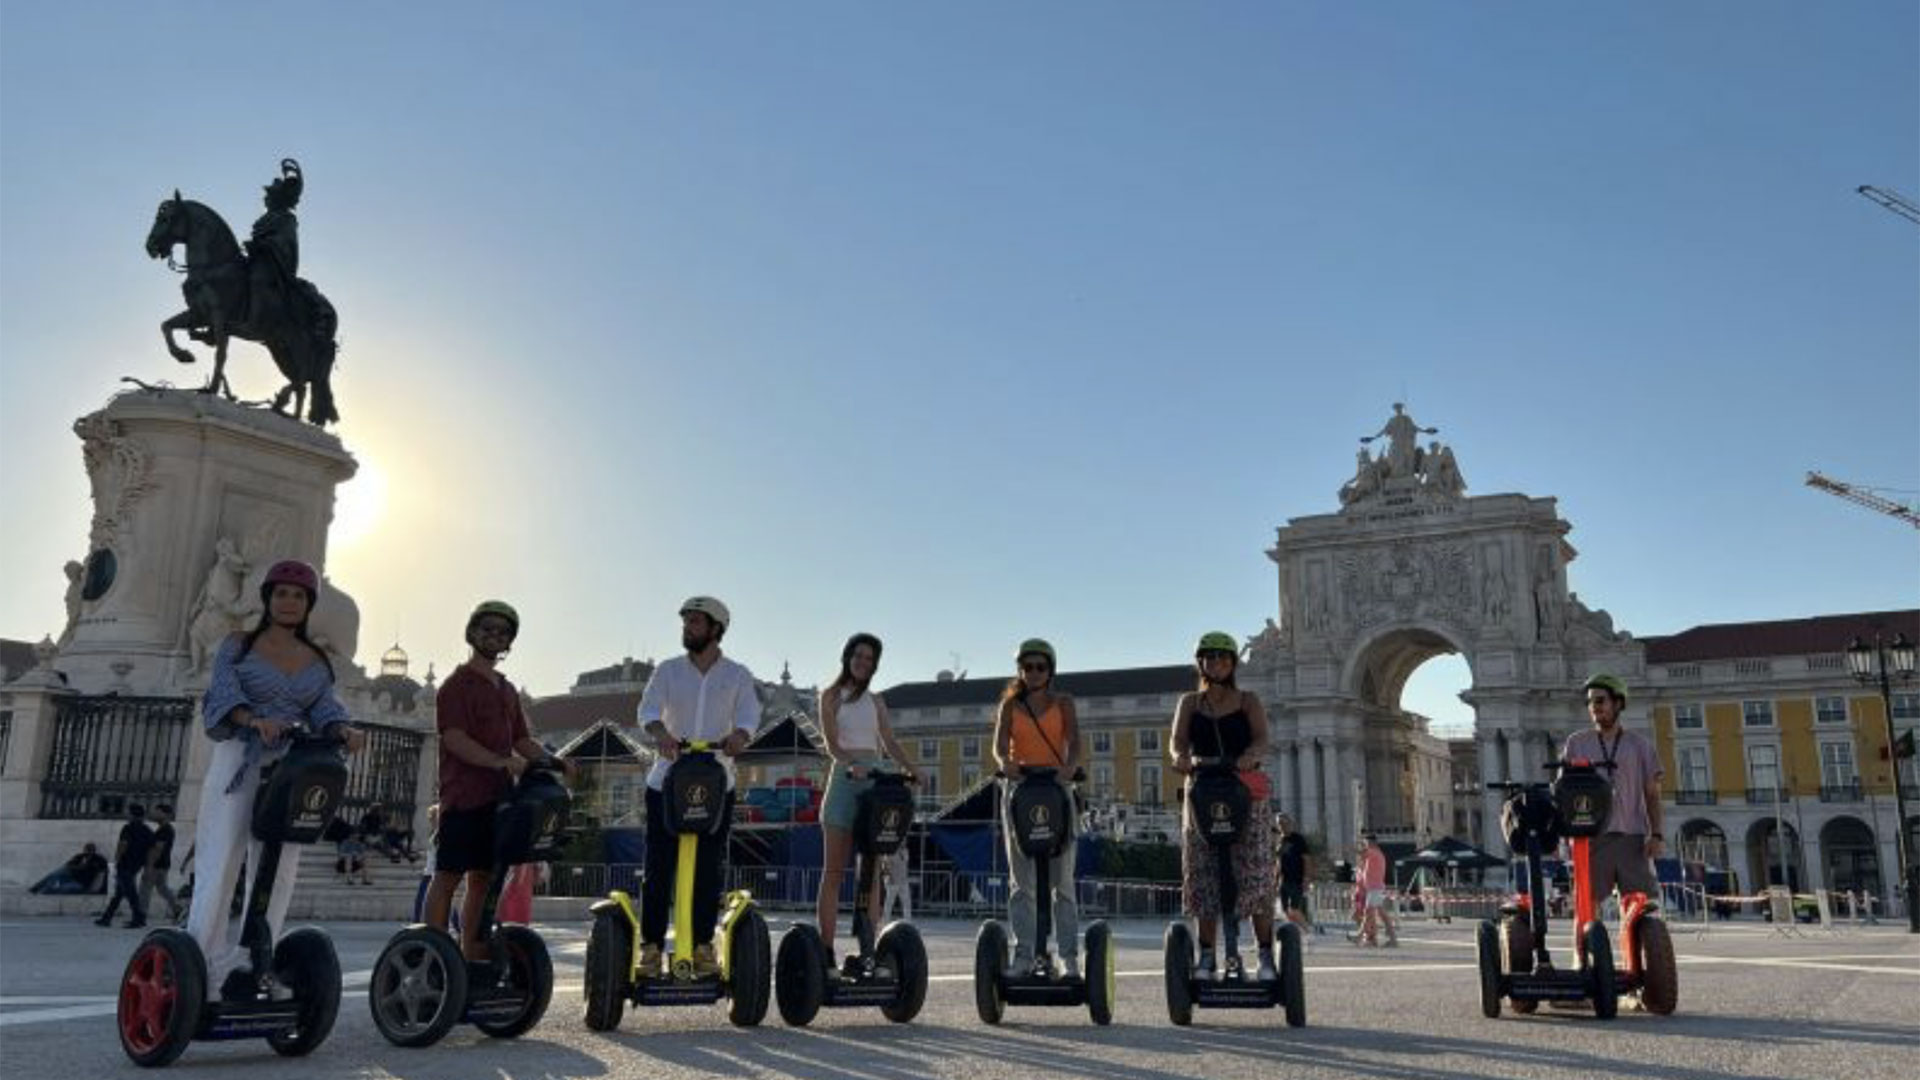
886 774
1044 772
1552 767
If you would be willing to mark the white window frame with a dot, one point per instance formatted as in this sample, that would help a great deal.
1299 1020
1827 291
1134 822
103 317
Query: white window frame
1100 741
1773 750
970 748
1689 717
1750 708
1149 792
1102 774
929 751
1686 757
1851 775
1147 740
1823 716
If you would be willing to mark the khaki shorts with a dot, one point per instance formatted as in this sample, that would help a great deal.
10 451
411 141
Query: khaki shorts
1620 859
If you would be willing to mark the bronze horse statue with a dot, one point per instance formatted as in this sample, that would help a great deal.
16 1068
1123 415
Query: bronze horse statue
225 300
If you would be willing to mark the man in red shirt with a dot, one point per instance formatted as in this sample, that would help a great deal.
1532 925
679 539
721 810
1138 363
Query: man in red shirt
484 747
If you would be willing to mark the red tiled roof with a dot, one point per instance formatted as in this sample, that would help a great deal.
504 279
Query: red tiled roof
578 712
1821 634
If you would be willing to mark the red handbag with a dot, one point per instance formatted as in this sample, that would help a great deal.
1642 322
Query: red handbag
1259 786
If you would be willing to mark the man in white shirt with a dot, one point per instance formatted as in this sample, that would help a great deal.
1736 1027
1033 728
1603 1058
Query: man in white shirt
702 696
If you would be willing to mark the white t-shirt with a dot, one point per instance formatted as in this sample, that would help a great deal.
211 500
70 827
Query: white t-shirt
693 706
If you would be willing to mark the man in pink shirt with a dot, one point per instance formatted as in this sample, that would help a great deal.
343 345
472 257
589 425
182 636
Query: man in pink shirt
1373 879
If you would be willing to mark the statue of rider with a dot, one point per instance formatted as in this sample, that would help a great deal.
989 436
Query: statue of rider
273 253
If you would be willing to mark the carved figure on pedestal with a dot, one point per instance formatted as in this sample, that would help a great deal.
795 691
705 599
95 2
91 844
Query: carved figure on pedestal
1365 482
253 295
222 607
1403 442
1495 602
1546 604
1442 472
76 581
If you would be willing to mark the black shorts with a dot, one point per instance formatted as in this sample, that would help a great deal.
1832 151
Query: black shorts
1293 897
466 841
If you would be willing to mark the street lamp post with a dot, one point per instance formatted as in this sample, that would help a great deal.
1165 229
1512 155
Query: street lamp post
1884 661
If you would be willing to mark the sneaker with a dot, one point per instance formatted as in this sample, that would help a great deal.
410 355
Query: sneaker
239 986
650 961
103 921
1068 967
706 964
1205 972
852 967
1353 936
1022 964
136 924
1393 941
1268 972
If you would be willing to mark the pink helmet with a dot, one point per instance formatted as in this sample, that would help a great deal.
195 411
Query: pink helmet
292 572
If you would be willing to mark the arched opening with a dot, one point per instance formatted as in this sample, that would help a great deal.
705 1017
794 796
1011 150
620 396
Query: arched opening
1852 862
1434 691
1702 841
1774 853
1410 797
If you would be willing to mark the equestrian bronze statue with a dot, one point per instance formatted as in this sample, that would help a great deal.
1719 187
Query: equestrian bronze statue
255 294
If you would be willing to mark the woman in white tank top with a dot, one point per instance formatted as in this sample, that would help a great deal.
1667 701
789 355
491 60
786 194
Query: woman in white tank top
853 721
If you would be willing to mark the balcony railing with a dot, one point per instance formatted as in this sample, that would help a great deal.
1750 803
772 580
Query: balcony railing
1842 792
1765 795
111 751
1695 798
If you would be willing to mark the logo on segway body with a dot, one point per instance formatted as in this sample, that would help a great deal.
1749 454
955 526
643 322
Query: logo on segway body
316 799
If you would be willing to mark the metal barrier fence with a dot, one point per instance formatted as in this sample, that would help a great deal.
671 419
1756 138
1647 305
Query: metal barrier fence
109 751
946 893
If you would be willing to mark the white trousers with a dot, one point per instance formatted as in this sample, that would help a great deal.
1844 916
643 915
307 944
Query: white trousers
222 842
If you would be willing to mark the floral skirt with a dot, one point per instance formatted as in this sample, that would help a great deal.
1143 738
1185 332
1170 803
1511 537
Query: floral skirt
1255 867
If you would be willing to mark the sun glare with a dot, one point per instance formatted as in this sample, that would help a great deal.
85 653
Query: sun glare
358 506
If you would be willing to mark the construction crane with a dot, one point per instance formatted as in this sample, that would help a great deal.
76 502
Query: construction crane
1864 497
1893 201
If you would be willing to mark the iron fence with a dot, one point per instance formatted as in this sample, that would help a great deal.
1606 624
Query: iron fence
109 751
385 772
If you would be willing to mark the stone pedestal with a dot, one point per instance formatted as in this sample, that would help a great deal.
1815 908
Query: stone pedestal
194 497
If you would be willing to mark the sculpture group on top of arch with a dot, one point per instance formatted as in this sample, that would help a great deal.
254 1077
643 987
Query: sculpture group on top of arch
1404 467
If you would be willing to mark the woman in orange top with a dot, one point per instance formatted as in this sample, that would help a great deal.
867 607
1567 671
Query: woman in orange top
1037 727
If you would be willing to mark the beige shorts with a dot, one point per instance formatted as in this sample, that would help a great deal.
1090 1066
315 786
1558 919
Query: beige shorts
1620 859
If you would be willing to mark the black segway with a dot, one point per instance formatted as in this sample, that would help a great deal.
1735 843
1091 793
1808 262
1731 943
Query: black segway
1514 961
1042 814
289 992
1220 803
695 801
890 972
423 985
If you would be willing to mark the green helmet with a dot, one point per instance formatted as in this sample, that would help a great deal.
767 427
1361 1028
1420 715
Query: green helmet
1034 645
1610 684
1217 641
495 607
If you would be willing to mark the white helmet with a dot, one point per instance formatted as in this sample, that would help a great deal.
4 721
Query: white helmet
708 606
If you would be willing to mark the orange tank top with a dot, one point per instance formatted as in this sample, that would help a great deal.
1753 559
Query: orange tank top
1041 742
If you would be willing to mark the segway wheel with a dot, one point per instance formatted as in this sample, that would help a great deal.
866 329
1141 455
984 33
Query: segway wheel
1601 988
902 951
609 962
306 963
800 974
1659 978
1099 973
989 961
419 987
1293 974
527 968
162 994
750 967
1486 939
1178 945
1516 945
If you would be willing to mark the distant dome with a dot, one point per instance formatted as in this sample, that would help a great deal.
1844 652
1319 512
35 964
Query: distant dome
944 676
394 661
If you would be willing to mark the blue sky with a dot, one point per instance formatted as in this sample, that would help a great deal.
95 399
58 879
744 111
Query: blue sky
963 323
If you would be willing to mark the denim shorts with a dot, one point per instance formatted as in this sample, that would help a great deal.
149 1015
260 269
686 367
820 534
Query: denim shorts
842 801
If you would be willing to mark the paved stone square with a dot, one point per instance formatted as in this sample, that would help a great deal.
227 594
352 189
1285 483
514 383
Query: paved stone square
1753 1004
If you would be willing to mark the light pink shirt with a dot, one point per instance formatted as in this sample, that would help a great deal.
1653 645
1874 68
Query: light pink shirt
1373 868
